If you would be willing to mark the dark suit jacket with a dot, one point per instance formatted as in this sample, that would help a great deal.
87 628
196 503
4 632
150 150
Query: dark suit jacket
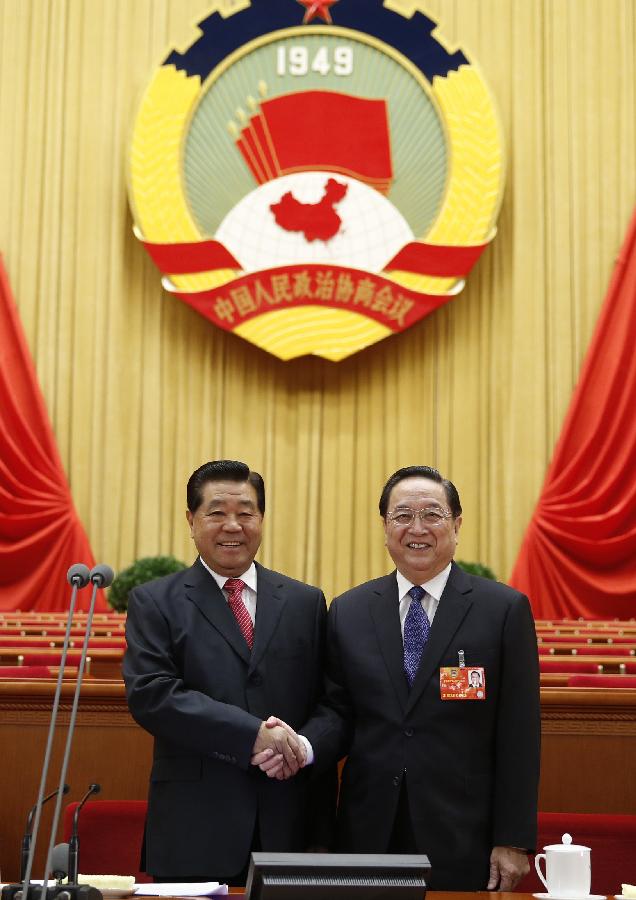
471 767
193 684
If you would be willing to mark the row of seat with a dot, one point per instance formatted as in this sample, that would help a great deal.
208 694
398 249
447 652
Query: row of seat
51 641
601 681
102 662
597 664
576 639
43 665
78 616
565 650
583 621
55 631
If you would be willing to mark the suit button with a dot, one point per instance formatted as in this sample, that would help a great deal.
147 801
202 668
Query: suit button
408 732
256 678
396 780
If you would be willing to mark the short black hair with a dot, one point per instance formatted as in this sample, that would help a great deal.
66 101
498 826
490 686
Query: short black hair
452 497
223 470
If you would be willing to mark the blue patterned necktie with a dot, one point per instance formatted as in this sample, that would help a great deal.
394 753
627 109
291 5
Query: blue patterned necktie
416 631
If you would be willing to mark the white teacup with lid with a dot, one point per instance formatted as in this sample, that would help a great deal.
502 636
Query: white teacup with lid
568 871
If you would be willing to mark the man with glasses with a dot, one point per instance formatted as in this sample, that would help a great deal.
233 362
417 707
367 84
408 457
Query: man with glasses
433 765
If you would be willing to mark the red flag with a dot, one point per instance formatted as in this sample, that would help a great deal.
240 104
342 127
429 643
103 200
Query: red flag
319 130
40 533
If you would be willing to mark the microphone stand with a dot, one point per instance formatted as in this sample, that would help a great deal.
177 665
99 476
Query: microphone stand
26 840
78 577
100 576
73 844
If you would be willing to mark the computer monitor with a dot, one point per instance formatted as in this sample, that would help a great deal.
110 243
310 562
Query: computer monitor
329 876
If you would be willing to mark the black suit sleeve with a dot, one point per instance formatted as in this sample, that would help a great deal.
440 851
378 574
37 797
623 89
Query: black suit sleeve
518 733
331 727
161 703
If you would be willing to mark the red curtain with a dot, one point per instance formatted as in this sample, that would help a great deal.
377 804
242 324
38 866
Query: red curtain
578 557
40 533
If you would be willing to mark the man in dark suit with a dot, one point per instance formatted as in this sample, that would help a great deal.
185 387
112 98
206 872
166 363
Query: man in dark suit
212 652
435 764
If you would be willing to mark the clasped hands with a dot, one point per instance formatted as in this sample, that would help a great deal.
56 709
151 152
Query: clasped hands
278 751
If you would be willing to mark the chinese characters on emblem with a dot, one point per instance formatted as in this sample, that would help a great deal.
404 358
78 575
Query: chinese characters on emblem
350 290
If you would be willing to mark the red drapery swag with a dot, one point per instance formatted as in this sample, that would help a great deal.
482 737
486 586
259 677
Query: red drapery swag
578 556
40 532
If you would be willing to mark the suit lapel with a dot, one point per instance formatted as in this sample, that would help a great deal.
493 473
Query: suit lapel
385 613
270 602
453 606
205 593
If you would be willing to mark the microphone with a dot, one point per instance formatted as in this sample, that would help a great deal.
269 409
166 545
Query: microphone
26 840
60 864
102 575
73 844
78 575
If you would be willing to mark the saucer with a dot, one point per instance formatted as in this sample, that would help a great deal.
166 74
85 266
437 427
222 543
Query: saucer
570 897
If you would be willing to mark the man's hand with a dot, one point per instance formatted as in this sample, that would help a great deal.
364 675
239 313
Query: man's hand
507 867
272 759
277 750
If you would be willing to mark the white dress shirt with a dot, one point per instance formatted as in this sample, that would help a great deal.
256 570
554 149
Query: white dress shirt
434 588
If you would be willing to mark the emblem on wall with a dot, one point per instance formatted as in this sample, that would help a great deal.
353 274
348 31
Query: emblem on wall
316 175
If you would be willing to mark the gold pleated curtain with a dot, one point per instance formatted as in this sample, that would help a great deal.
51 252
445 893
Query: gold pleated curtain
141 390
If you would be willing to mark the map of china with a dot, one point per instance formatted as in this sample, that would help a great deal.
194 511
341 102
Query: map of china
318 221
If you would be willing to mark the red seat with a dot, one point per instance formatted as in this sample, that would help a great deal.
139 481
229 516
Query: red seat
603 650
110 836
564 639
53 659
107 643
25 672
603 681
612 839
29 640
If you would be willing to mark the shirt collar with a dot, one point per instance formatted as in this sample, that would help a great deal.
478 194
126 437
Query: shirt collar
249 576
434 586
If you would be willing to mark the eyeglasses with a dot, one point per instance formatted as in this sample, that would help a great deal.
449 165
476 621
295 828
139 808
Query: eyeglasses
403 518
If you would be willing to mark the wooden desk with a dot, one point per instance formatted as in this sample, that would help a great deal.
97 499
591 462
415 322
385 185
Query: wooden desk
109 748
588 750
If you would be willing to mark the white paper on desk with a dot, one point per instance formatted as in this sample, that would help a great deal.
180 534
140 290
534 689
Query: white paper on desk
182 889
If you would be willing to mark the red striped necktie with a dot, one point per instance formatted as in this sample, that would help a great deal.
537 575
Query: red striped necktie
234 588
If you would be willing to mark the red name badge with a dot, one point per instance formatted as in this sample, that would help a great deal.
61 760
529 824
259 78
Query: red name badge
462 683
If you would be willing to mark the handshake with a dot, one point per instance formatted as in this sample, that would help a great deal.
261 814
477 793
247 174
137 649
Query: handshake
278 750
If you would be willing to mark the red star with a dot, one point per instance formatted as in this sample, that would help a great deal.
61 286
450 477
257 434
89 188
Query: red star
317 8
